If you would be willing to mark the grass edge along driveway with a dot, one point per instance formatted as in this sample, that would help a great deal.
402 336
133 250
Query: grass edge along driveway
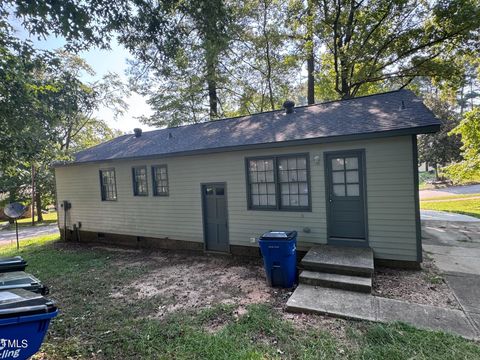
469 205
95 325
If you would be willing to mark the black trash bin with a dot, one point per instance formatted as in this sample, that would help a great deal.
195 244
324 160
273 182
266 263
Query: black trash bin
15 263
22 280
279 257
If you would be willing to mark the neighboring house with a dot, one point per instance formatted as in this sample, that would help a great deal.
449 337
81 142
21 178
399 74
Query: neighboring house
341 172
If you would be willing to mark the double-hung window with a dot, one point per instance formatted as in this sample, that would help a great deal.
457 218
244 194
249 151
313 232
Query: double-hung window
108 186
139 178
160 180
279 182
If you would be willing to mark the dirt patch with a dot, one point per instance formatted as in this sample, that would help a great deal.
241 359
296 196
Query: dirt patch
425 286
335 326
217 323
186 282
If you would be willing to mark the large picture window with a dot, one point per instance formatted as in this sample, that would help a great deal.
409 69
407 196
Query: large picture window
139 178
108 186
279 182
160 180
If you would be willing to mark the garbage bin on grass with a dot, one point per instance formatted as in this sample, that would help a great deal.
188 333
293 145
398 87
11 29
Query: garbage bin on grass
279 257
24 320
15 263
21 280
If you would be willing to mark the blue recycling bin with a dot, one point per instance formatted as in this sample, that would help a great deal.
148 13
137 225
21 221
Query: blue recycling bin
24 320
279 251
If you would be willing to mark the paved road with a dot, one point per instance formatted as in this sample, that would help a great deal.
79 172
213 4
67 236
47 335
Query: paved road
455 247
452 190
27 232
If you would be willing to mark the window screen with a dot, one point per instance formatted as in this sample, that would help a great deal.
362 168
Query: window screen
140 186
108 186
160 180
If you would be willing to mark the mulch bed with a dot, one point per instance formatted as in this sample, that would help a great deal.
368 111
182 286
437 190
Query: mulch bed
425 286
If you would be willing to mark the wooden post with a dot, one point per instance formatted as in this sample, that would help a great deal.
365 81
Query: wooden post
16 232
33 195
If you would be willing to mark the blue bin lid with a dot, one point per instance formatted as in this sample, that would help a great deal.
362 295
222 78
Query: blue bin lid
279 235
20 302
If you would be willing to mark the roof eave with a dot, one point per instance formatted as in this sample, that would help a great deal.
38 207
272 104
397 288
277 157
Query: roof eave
427 129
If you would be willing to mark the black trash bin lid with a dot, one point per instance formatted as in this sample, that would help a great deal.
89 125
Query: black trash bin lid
279 235
21 280
18 279
9 261
20 302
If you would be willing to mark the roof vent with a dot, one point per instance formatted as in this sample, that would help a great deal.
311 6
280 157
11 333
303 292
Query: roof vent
170 135
288 105
137 132
402 106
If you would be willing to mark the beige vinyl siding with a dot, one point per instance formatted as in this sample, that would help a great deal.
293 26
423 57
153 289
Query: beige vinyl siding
390 197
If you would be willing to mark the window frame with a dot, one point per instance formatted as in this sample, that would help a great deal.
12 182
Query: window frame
134 180
154 180
102 193
276 177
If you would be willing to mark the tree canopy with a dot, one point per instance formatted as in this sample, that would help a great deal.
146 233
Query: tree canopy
203 60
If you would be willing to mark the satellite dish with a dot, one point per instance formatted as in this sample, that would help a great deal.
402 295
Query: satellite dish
14 210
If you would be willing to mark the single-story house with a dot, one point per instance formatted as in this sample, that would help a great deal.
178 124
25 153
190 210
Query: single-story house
341 172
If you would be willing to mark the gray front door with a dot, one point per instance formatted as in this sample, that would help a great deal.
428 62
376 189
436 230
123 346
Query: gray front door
346 210
215 217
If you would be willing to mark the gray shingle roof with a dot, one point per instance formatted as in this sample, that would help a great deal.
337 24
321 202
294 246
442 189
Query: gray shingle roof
375 115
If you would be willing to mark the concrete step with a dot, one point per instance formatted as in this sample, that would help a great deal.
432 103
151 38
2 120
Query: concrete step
361 306
337 281
339 260
336 302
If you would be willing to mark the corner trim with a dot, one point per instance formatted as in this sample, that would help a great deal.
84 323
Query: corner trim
418 224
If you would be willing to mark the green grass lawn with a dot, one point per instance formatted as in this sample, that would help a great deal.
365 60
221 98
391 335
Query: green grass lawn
450 197
48 218
467 206
93 324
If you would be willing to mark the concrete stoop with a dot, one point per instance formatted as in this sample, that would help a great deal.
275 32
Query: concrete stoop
361 306
345 282
346 268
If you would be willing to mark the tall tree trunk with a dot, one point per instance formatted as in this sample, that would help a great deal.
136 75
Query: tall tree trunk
310 57
462 101
33 195
211 61
345 89
38 200
267 56
311 78
212 99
